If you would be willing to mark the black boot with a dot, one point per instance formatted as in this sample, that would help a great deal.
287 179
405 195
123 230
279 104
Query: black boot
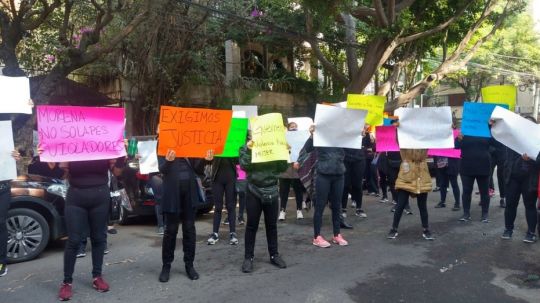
165 273
247 266
502 203
191 272
277 261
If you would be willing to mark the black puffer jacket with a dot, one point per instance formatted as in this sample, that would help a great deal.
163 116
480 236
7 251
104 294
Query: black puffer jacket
329 159
516 167
261 175
353 155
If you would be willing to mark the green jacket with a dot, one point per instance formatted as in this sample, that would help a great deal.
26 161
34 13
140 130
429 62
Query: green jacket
261 174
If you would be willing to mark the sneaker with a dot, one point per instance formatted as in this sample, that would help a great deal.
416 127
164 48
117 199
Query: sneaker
507 234
214 238
241 221
299 215
106 251
160 231
65 292
392 234
277 261
436 189
226 221
81 254
100 285
427 235
112 231
491 192
3 270
353 204
281 216
394 202
344 213
456 207
165 273
360 213
304 205
321 242
383 200
233 240
393 209
465 218
408 211
440 205
339 240
529 238
484 219
502 203
247 266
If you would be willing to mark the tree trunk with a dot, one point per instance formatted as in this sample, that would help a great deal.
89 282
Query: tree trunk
9 56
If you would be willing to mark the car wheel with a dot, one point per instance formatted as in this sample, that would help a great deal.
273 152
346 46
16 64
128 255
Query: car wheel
124 216
28 234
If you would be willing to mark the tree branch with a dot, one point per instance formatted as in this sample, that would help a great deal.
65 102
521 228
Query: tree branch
404 4
62 32
43 14
392 11
381 15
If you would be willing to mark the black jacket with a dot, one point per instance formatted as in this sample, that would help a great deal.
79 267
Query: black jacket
329 159
517 168
261 175
171 171
475 156
353 155
453 166
216 163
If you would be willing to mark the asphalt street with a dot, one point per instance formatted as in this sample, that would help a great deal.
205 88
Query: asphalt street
467 262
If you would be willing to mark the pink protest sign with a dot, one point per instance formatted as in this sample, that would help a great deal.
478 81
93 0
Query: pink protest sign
446 152
386 139
74 133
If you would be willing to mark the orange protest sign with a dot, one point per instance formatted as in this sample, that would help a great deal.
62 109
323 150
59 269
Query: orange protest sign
191 132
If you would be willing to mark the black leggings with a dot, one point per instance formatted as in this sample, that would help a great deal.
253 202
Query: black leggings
327 188
383 182
483 187
5 198
515 189
500 176
223 186
392 177
86 209
241 188
285 187
254 209
403 201
354 174
447 179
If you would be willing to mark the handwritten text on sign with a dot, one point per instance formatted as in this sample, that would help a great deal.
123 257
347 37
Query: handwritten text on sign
73 133
191 132
373 104
268 135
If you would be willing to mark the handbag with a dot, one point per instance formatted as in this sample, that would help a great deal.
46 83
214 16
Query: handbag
267 195
200 187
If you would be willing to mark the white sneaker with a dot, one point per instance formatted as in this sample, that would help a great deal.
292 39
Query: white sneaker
353 204
299 215
304 205
281 216
344 213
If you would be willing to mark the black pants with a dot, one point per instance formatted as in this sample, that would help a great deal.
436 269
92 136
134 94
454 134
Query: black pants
285 187
383 182
254 209
241 188
86 209
5 198
392 177
446 180
156 183
224 186
328 188
403 201
515 189
483 187
354 174
371 177
499 163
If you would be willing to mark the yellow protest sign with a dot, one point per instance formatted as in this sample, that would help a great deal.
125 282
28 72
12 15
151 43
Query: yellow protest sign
373 104
500 94
268 136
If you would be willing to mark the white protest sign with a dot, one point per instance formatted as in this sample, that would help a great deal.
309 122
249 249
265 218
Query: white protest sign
15 95
303 123
240 114
338 127
249 110
7 163
426 127
148 163
296 140
516 132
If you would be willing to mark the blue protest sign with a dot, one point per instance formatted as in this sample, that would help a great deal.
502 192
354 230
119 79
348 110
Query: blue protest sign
476 118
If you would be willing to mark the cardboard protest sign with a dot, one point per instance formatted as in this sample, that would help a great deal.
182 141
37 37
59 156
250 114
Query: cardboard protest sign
303 123
75 133
268 136
338 127
297 140
250 111
476 117
7 162
15 96
236 138
446 152
427 127
500 94
373 104
192 132
516 132
386 139
148 163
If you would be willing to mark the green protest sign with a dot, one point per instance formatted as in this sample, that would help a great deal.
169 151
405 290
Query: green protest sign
236 137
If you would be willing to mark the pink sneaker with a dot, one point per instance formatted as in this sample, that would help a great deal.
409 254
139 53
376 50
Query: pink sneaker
339 240
491 192
65 292
321 242
100 285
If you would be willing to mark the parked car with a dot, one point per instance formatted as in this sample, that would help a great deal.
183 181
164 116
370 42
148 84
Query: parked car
35 216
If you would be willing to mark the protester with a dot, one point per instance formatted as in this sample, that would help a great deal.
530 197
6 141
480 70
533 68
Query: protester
329 180
5 201
521 180
475 165
498 159
448 168
180 197
156 184
394 163
46 169
241 191
87 209
382 168
370 174
262 196
286 180
355 166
